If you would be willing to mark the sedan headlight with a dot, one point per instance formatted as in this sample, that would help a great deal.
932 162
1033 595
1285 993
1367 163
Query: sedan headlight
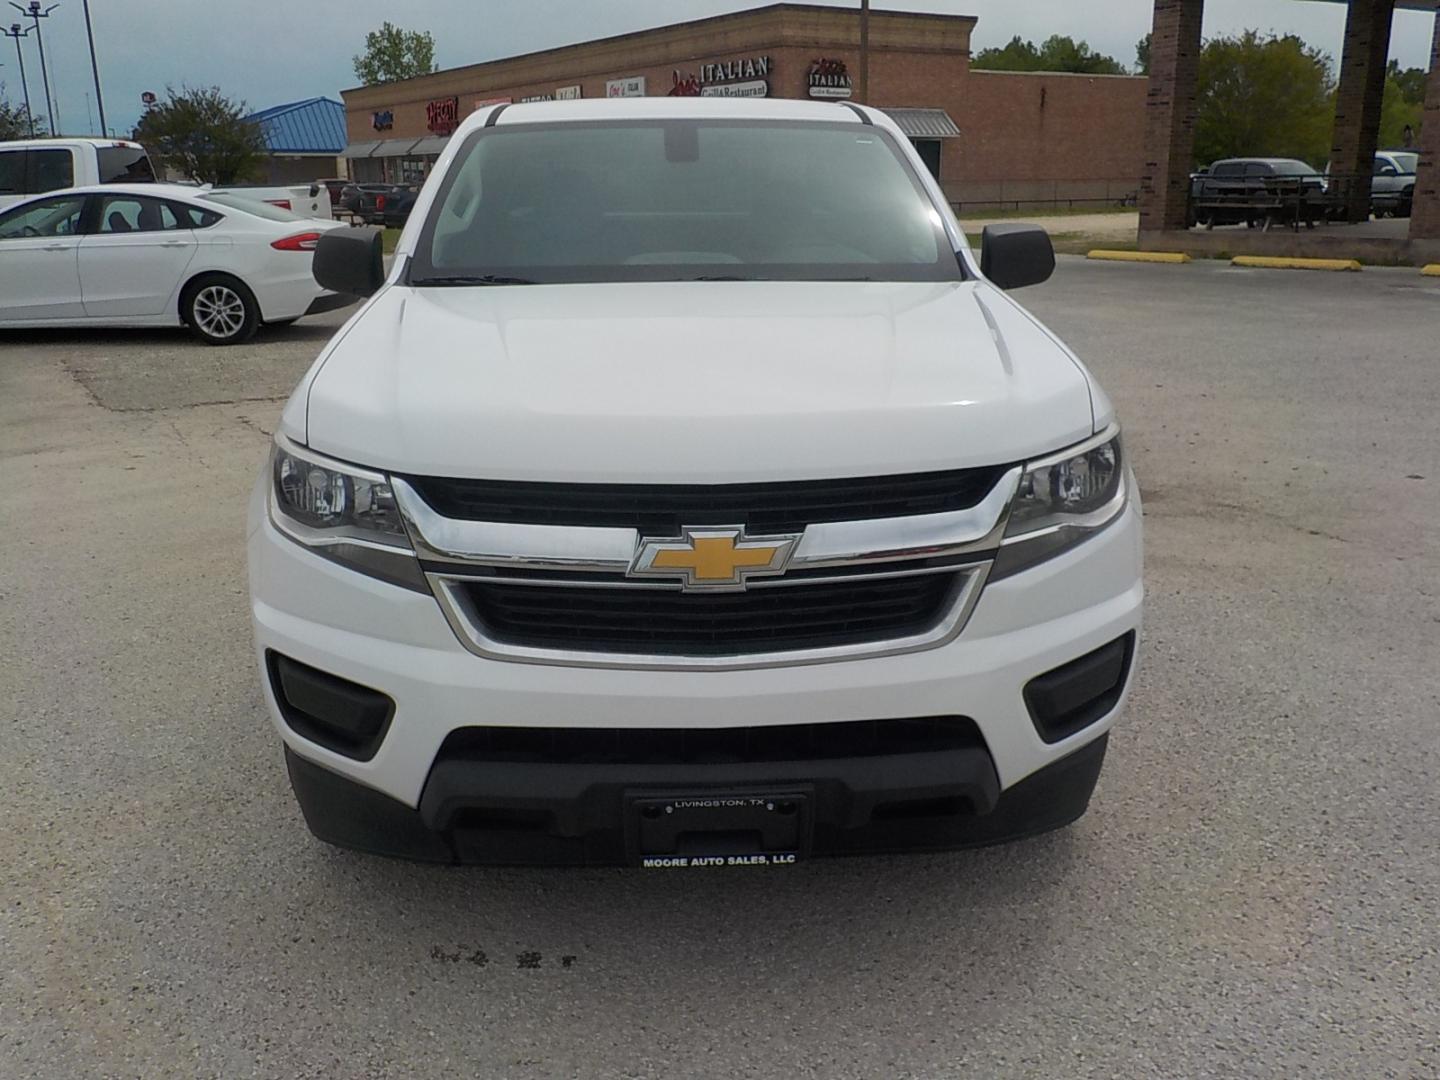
342 513
1063 500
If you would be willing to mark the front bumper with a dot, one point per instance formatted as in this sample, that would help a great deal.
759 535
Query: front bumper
399 642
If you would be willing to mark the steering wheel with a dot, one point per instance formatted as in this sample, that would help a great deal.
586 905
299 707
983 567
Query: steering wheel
30 230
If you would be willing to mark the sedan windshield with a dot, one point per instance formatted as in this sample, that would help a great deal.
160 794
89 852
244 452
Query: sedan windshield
681 200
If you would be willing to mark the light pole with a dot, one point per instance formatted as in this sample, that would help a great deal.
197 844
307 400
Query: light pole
864 52
95 70
17 33
36 14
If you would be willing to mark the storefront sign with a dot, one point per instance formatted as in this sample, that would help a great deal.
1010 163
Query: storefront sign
537 97
758 88
829 79
756 67
383 120
567 93
481 102
442 116
683 85
634 86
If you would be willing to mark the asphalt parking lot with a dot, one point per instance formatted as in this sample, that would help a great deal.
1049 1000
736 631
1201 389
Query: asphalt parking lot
1253 893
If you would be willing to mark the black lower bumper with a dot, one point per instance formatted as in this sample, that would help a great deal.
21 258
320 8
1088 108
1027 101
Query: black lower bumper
329 302
520 813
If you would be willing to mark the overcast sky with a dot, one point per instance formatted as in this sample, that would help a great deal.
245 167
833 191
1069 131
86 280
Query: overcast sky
272 51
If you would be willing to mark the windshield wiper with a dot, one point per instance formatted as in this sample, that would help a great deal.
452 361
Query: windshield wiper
472 279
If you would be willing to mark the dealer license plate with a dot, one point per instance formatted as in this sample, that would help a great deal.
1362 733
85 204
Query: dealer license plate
682 830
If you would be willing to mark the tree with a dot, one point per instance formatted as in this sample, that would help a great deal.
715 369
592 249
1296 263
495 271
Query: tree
1056 53
1397 113
203 135
392 54
15 121
1409 82
1142 56
1269 96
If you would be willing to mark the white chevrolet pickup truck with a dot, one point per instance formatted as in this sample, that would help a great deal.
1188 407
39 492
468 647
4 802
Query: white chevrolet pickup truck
688 494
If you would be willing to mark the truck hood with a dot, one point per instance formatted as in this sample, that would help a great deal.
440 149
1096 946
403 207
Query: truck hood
669 382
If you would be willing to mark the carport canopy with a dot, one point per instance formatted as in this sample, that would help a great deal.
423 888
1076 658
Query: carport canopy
361 149
394 147
431 144
924 123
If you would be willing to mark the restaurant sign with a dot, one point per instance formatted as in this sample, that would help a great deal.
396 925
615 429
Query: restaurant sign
567 93
748 70
442 116
829 79
383 120
633 86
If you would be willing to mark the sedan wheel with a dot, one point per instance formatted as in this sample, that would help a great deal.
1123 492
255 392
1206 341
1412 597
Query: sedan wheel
221 311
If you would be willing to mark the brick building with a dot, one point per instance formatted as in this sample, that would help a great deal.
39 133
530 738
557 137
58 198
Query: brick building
990 137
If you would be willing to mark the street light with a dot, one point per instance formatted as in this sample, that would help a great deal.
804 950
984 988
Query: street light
36 14
95 70
17 33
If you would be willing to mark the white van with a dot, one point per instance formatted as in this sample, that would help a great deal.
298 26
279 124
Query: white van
35 166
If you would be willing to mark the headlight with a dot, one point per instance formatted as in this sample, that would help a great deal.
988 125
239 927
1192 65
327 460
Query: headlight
342 513
1062 500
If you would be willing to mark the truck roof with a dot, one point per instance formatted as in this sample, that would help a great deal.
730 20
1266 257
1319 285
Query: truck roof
668 108
66 140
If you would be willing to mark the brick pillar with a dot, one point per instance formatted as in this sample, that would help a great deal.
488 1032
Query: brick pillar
1425 222
1170 114
1358 100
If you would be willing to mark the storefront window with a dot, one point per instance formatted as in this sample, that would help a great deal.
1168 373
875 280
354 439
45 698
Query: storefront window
414 170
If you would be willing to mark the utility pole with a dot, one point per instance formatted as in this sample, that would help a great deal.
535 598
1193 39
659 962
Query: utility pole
36 14
864 94
95 70
17 33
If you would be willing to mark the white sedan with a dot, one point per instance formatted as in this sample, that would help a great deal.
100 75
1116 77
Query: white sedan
158 255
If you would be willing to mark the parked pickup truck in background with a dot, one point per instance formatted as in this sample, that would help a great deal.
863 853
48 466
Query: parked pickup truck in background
35 166
306 200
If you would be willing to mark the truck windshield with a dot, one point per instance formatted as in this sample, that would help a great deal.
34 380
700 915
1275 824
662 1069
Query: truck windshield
681 200
124 165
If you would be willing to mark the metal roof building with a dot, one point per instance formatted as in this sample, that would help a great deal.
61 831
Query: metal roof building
299 133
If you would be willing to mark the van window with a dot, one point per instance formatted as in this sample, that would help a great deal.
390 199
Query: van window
124 165
12 172
51 170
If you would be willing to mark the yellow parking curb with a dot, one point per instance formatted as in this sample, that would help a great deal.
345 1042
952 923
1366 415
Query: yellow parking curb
1433 270
1272 262
1139 256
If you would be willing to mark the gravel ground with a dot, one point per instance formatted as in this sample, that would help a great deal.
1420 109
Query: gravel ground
1253 893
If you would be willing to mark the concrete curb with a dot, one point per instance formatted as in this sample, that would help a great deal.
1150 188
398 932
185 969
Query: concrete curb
1432 270
1272 262
1139 256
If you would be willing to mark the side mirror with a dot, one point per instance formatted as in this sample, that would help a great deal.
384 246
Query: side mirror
350 261
1013 256
1389 170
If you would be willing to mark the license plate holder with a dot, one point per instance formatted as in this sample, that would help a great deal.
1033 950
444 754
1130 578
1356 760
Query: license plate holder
723 828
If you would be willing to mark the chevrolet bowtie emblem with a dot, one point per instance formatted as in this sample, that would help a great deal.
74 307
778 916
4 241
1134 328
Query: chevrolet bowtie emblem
718 558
